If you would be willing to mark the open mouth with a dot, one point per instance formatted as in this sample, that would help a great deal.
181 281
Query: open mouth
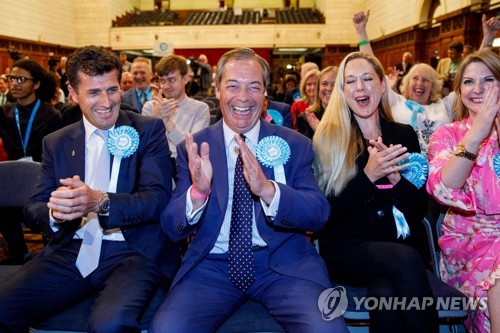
241 111
477 100
105 111
419 92
362 101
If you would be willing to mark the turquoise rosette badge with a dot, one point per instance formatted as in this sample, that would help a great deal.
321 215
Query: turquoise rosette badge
417 170
496 164
123 141
274 152
276 116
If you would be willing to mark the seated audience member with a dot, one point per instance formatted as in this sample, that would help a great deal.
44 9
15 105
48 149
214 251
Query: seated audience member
143 91
5 95
308 121
247 244
375 211
23 125
293 95
464 166
307 93
404 66
179 113
126 82
105 230
289 82
468 49
420 103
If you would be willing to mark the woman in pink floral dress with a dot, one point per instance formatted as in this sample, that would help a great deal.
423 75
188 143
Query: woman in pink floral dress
465 176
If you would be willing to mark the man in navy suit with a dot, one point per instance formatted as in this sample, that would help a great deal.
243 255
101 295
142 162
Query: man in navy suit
288 274
135 257
143 91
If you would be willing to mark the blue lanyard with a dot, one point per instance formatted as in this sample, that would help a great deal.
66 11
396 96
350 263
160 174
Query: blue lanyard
30 124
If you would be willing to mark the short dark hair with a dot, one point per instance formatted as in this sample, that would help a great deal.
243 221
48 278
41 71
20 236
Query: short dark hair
91 60
172 63
48 83
457 45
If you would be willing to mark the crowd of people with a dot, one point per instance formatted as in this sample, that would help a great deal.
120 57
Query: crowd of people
137 162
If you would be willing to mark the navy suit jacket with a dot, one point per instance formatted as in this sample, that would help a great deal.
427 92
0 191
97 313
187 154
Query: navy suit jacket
302 207
130 97
144 189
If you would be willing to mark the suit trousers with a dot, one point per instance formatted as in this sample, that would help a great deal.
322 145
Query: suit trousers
205 298
388 270
124 281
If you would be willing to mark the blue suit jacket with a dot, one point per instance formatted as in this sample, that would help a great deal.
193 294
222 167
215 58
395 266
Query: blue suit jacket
302 207
144 189
130 97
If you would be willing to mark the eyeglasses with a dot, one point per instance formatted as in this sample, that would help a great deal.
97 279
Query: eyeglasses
18 79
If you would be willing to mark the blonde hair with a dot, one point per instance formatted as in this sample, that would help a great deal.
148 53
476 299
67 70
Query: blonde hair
430 73
316 107
338 141
491 60
303 85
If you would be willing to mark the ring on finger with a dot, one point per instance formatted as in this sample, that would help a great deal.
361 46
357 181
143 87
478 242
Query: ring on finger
394 169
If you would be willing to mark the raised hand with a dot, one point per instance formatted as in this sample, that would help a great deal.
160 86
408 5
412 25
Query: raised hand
259 184
484 120
360 19
383 161
200 167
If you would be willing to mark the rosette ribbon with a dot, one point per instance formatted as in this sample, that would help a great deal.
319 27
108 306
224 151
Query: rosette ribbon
276 116
416 173
415 108
122 143
274 152
496 164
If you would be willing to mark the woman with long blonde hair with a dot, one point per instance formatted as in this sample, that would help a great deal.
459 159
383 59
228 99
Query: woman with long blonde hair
375 212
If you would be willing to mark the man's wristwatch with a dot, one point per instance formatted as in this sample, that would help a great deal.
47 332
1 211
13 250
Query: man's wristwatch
462 152
104 206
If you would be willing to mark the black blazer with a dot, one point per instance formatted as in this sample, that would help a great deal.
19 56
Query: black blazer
362 212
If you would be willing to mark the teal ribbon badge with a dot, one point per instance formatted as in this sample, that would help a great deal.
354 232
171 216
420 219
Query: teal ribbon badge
416 173
122 143
417 170
276 116
415 108
274 152
496 164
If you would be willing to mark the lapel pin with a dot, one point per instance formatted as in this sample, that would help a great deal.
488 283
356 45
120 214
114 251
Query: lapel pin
73 153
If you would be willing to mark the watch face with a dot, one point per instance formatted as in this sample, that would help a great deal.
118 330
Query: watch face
105 206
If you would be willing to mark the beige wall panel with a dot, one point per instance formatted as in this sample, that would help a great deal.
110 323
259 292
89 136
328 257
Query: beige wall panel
39 20
338 16
300 35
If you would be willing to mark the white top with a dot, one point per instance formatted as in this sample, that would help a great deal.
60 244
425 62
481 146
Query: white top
428 121
191 116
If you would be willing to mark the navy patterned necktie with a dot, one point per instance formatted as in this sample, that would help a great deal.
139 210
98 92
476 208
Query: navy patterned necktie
241 261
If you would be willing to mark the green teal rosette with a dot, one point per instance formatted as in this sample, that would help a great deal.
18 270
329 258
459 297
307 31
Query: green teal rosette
123 141
496 164
274 152
417 170
276 116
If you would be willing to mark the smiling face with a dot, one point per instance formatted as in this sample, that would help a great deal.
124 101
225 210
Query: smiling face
363 88
172 84
326 84
477 78
141 72
311 87
241 94
99 98
420 87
